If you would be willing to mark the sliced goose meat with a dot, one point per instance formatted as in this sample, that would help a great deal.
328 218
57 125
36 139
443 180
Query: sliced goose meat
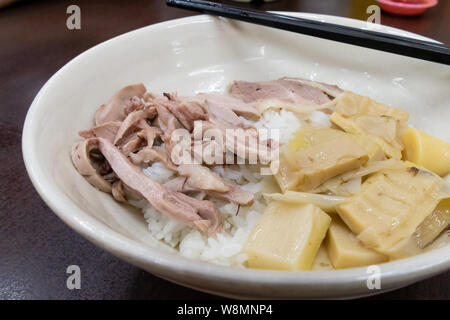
133 122
148 132
220 109
172 125
213 222
179 184
148 97
197 213
168 124
222 115
186 110
152 154
107 130
200 177
131 193
131 144
118 192
211 152
291 94
282 89
91 164
138 140
122 193
247 144
123 102
165 116
244 142
105 169
234 194
331 90
239 107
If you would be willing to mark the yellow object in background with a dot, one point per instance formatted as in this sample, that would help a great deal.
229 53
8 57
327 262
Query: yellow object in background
288 237
427 151
346 251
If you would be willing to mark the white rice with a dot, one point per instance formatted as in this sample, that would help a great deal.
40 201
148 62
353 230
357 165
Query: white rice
286 122
158 172
224 248
319 119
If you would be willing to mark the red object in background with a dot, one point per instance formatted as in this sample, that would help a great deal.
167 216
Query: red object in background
407 7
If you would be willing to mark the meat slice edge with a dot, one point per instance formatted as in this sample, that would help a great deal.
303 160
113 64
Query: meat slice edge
123 102
197 213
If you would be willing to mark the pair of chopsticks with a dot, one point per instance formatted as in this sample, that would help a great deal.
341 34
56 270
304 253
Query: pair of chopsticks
424 50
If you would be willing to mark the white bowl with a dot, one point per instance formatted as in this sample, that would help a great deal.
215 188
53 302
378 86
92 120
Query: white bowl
204 53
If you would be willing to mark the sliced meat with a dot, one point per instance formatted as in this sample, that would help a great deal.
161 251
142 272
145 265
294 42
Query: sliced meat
246 144
222 115
192 110
234 194
132 143
179 184
152 154
211 152
107 130
284 90
132 122
197 213
122 193
213 222
118 192
201 177
165 117
239 107
298 96
131 193
331 90
168 123
185 110
148 132
105 170
91 166
123 102
216 108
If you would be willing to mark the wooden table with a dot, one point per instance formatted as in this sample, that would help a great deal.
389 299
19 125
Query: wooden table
35 246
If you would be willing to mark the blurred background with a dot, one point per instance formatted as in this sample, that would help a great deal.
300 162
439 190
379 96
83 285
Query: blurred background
35 246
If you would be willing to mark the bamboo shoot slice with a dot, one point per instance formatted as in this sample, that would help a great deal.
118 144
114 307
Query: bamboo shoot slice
287 237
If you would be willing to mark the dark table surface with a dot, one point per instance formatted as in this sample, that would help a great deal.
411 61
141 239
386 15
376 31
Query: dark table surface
35 246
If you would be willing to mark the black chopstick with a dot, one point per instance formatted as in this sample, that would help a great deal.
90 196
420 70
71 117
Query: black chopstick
424 50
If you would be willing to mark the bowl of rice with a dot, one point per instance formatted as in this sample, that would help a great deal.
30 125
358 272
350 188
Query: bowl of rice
204 54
